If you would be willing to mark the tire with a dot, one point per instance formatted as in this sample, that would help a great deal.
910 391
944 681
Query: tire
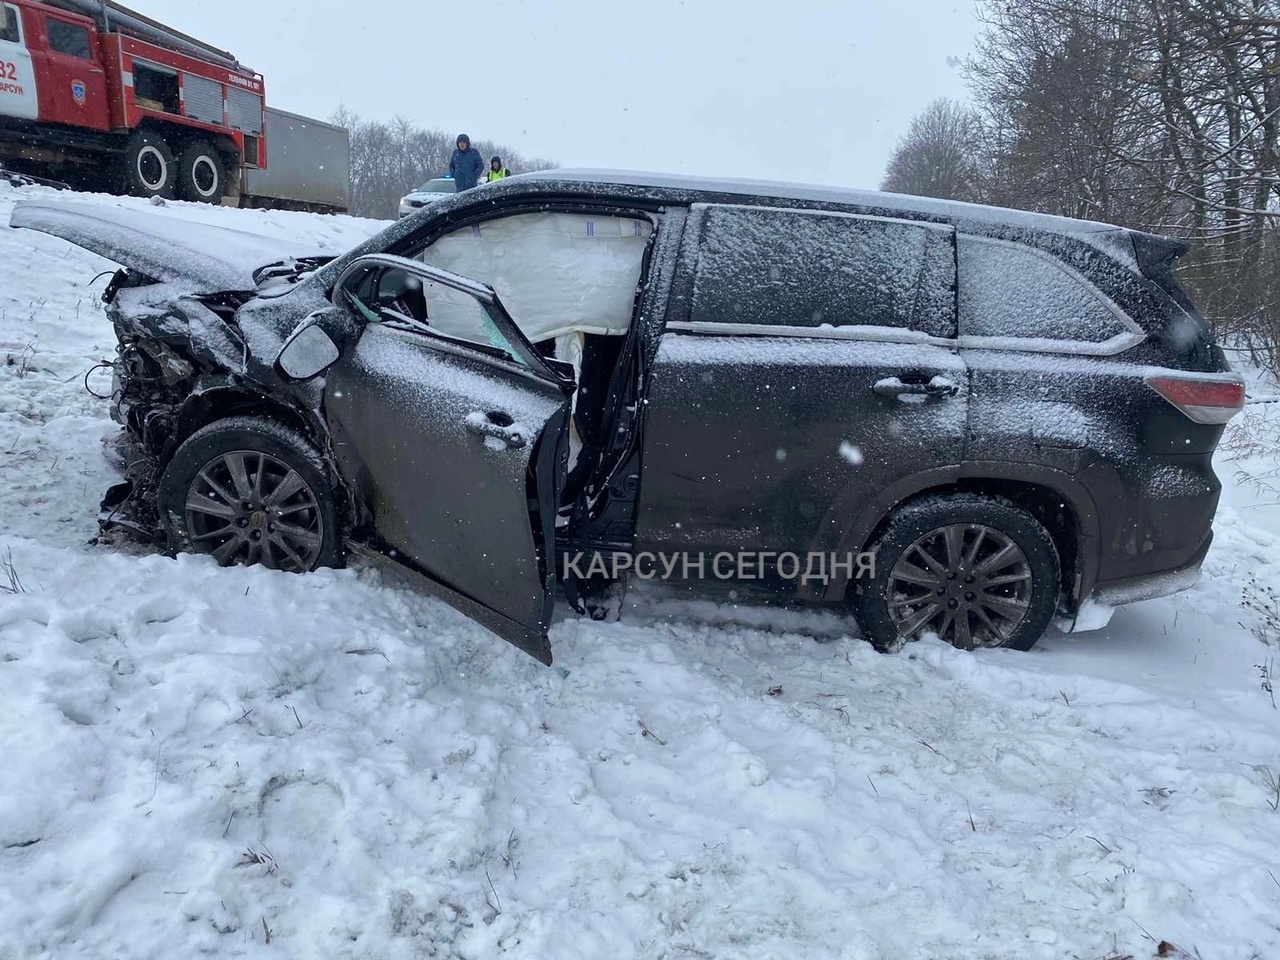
149 168
201 175
931 560
249 490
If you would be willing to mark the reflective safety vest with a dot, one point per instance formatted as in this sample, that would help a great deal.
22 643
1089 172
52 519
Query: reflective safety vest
498 174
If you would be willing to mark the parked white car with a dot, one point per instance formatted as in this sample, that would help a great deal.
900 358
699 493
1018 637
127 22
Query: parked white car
434 189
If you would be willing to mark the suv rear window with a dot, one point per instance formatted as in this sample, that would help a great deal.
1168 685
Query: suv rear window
1010 290
791 268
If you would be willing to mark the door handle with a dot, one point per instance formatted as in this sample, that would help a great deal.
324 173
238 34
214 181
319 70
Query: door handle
498 425
915 385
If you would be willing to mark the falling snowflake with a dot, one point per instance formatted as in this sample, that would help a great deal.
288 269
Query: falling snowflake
851 453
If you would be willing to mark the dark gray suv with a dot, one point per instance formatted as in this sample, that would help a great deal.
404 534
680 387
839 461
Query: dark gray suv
953 419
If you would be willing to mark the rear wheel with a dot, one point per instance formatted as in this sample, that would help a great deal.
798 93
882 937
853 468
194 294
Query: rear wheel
248 490
978 571
201 177
149 168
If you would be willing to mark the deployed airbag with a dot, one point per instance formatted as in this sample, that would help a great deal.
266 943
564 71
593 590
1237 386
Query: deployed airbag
557 274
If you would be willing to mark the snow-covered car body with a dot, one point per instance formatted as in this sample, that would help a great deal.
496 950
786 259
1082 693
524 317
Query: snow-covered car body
1009 413
435 189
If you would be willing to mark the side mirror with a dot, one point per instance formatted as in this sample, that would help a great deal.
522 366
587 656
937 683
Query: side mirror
307 353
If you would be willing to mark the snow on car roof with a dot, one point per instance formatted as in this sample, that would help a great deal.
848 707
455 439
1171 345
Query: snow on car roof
953 210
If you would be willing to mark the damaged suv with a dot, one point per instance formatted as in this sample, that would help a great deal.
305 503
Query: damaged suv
1004 414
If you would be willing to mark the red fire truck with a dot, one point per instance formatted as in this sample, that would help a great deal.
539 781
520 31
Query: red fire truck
107 97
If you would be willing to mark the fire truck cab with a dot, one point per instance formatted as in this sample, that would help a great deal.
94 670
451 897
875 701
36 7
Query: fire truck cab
108 97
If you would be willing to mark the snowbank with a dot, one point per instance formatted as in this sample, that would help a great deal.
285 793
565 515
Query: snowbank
206 760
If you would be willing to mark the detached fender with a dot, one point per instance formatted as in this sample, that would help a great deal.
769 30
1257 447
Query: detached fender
842 535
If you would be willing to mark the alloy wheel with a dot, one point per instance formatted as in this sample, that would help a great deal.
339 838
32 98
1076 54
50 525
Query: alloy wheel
968 583
250 507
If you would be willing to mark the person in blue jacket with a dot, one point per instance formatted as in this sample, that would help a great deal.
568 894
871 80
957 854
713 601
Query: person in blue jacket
466 165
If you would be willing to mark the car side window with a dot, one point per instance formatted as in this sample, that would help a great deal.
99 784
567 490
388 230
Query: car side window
69 38
395 296
9 31
761 266
1014 291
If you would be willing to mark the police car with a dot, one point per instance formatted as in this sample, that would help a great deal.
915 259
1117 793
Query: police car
430 191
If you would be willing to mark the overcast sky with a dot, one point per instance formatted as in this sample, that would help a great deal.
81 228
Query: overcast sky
812 90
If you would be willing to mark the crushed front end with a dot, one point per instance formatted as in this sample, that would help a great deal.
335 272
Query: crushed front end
171 349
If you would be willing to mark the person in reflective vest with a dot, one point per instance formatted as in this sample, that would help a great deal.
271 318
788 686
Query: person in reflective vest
496 170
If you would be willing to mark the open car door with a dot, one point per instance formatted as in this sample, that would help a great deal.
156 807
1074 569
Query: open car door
453 429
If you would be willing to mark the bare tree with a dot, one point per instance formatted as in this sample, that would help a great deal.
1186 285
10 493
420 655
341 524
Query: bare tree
941 154
390 159
1157 114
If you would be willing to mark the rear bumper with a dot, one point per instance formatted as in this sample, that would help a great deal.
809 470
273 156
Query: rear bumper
1115 593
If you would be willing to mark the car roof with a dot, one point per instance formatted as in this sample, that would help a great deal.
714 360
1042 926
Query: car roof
654 190
679 187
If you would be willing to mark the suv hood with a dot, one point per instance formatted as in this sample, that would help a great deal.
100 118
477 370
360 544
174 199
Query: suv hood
202 259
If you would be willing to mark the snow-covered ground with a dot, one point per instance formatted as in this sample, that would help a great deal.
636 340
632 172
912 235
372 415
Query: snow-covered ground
247 763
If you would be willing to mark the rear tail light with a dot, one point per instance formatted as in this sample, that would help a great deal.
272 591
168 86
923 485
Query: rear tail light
1204 399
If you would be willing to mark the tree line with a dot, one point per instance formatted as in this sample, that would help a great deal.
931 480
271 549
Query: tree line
388 159
1163 115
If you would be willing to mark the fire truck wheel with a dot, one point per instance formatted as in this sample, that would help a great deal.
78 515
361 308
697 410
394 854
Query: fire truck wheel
200 174
148 166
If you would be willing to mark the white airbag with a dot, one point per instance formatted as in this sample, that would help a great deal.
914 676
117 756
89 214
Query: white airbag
557 273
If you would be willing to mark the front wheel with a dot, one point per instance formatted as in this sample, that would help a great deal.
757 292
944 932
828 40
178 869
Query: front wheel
200 174
248 490
977 571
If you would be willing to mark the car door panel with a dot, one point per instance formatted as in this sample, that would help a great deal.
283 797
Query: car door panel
457 449
748 438
17 74
760 420
75 90
420 426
